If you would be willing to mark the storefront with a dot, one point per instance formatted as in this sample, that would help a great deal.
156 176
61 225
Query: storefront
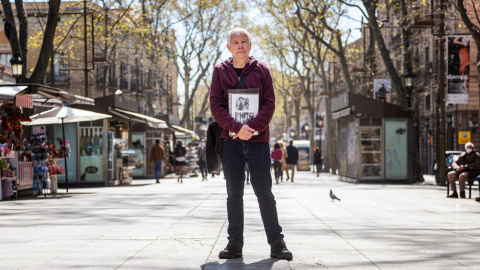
373 139
130 137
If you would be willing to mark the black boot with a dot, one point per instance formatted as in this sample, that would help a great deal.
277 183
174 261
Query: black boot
453 195
462 194
233 249
279 250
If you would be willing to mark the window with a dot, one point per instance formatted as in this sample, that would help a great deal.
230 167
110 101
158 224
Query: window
5 58
133 79
60 67
427 102
371 164
112 79
99 78
123 76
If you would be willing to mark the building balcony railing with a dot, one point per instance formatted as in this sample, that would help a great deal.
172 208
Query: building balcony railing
57 78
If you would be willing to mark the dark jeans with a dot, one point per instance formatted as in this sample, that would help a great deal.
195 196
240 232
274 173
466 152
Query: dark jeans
257 156
158 169
277 168
202 164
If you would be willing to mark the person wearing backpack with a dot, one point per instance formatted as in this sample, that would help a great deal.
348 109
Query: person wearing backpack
243 71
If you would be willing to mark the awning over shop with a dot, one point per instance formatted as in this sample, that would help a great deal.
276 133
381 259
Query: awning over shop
10 92
184 131
150 121
65 115
43 95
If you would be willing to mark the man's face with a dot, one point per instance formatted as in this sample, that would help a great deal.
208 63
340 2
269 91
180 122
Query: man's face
239 46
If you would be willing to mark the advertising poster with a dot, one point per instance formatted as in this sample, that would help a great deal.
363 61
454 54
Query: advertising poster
382 89
458 68
303 163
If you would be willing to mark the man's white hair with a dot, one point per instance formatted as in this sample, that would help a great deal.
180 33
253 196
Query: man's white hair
239 31
468 144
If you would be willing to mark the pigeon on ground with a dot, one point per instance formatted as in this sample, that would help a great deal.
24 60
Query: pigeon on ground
333 196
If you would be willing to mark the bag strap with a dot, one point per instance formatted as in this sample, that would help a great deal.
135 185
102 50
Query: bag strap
242 81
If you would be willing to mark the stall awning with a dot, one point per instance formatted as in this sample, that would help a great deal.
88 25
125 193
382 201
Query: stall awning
185 131
43 95
150 121
11 91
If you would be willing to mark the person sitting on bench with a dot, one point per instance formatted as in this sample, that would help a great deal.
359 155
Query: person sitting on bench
466 162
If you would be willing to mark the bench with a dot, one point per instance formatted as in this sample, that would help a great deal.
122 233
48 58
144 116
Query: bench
475 176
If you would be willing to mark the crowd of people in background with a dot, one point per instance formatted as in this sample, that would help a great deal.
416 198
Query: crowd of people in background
192 160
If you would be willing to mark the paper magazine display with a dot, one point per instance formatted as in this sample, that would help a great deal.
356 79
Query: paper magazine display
243 105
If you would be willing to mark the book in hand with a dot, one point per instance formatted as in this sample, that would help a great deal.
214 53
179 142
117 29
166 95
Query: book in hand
243 105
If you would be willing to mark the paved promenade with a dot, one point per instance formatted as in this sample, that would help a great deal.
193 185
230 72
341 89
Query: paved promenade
183 226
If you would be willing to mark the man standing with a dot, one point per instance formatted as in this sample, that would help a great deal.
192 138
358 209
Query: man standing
292 158
466 162
244 146
156 157
202 160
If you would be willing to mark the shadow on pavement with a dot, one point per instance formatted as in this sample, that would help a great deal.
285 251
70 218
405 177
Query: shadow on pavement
240 264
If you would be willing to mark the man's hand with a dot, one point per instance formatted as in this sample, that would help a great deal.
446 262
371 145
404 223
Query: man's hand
245 133
460 168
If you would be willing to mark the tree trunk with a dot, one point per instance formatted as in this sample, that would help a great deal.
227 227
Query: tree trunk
397 84
344 64
45 54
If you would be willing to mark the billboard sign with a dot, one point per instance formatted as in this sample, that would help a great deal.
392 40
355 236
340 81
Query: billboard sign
458 68
382 89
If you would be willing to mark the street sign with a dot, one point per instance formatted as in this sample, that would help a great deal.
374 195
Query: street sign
463 137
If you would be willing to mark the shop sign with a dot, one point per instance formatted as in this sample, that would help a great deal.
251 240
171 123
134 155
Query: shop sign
464 137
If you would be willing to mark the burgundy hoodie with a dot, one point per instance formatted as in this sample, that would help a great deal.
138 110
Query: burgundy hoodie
225 78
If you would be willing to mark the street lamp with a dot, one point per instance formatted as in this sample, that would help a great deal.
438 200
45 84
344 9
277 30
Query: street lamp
320 125
17 66
306 128
409 85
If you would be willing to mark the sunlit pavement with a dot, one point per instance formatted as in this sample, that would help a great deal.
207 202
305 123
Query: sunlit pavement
183 226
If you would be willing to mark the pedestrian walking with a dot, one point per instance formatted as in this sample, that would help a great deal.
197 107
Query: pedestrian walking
284 156
317 161
179 154
244 147
202 159
292 159
276 156
157 156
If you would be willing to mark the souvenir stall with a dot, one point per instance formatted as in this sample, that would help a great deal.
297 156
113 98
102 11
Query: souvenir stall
12 146
90 144
32 163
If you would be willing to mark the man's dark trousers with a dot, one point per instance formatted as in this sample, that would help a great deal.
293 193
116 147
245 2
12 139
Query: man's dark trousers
257 155
202 164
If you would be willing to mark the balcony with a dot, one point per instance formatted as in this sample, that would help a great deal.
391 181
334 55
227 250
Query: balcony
62 78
